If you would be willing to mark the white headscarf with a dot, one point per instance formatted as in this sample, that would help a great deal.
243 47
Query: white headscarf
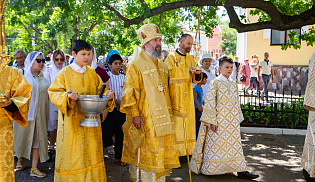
94 61
29 61
53 70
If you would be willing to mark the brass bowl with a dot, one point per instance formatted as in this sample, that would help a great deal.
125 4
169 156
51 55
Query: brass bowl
91 105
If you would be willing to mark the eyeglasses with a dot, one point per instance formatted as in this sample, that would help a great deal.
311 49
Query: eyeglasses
40 60
59 59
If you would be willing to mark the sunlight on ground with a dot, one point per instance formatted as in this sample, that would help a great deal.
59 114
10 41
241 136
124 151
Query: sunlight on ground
259 147
177 179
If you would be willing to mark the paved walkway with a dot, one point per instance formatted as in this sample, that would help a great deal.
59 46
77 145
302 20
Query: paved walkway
276 158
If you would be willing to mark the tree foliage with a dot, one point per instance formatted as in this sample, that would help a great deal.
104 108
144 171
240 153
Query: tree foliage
113 24
229 40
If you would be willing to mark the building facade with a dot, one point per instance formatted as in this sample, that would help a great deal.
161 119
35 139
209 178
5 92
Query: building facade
290 66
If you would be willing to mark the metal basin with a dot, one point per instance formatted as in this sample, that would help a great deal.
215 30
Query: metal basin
91 105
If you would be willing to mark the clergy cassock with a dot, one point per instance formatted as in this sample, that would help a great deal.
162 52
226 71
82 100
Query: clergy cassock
15 85
182 99
79 155
308 157
220 152
146 94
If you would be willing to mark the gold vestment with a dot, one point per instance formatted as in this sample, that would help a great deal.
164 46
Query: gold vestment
79 154
182 99
157 154
13 83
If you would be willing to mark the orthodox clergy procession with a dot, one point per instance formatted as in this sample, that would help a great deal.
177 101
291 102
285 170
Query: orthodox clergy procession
150 99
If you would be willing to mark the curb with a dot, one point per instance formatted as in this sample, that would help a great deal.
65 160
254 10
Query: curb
273 131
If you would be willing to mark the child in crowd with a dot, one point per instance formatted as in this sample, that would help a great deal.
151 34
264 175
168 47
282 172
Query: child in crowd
116 119
199 102
218 148
79 156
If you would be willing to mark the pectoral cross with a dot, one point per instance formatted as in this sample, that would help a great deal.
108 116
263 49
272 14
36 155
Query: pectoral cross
160 88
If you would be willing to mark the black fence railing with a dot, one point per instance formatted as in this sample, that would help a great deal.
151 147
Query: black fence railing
280 111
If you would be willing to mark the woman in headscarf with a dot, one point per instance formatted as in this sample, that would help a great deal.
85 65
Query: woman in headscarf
32 139
58 62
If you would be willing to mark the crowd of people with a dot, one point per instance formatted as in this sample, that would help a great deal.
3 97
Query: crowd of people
161 108
254 73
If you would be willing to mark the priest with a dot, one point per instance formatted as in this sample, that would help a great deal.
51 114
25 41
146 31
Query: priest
182 74
149 144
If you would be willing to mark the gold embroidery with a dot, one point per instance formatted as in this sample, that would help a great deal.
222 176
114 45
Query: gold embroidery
158 109
143 63
227 100
210 111
163 124
223 160
180 114
179 80
159 117
79 170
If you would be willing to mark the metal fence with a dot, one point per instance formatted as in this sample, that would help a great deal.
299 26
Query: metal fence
283 110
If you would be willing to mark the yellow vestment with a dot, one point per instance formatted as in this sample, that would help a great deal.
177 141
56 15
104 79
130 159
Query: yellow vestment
79 155
181 93
308 157
158 154
16 86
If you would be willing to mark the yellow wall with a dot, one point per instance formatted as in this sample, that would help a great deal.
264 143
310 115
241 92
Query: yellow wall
257 45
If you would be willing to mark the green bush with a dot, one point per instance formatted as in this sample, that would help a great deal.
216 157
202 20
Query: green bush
289 115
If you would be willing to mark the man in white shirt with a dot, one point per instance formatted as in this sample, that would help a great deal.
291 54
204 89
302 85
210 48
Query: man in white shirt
19 56
265 68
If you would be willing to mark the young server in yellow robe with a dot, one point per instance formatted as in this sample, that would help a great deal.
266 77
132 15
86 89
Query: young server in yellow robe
149 144
79 156
14 108
182 75
219 148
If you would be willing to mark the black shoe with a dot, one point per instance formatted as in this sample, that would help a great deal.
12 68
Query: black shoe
307 176
51 154
246 175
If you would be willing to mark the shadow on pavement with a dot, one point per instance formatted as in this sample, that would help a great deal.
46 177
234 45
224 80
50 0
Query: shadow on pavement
276 158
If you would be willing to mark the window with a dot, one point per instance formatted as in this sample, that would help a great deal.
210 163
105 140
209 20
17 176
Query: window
282 37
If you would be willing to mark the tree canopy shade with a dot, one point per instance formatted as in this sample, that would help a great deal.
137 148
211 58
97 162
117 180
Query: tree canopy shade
113 24
275 14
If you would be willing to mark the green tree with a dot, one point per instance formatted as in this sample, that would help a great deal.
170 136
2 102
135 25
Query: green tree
229 40
54 24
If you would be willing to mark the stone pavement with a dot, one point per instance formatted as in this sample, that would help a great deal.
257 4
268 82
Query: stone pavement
276 158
